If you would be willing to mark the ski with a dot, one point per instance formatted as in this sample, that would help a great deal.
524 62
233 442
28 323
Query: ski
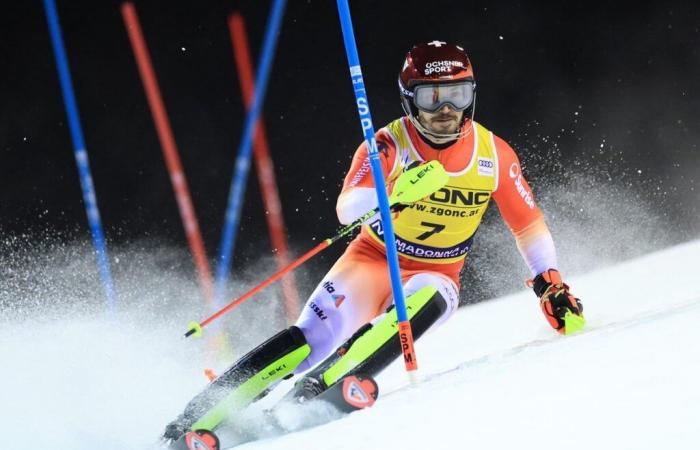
351 393
197 440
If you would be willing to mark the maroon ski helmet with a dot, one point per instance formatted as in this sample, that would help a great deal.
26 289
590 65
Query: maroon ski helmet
437 63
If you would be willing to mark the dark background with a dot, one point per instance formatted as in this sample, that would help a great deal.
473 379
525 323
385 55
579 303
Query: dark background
600 89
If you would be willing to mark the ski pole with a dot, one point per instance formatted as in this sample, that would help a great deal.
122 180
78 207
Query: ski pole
196 328
413 185
405 333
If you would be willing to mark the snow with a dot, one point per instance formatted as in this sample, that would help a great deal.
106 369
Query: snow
494 377
629 382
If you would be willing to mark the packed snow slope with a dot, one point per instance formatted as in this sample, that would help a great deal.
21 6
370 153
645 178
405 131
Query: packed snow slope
629 382
494 377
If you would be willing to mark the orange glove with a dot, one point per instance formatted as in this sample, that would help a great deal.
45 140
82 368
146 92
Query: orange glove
563 311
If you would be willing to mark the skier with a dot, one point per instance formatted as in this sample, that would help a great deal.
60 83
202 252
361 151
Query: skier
350 308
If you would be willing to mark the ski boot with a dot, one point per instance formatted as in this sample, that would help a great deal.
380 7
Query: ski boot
369 350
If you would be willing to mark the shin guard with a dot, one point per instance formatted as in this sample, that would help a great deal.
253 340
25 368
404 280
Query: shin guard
250 378
376 345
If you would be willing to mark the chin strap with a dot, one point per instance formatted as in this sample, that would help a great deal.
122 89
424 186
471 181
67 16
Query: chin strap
465 128
438 138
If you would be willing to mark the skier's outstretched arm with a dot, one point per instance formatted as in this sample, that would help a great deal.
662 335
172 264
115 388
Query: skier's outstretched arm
358 195
517 205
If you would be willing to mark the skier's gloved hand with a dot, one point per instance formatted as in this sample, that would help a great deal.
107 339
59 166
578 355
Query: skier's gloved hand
563 311
418 181
398 207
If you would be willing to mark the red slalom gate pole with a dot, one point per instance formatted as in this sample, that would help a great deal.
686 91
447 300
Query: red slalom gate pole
170 152
264 165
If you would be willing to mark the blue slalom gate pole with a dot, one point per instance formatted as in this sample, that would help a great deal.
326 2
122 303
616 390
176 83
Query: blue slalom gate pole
81 158
240 175
406 336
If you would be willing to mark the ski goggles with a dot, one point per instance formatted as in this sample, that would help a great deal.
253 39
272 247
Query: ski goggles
432 97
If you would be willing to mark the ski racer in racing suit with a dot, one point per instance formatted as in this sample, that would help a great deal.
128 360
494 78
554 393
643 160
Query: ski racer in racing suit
350 308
